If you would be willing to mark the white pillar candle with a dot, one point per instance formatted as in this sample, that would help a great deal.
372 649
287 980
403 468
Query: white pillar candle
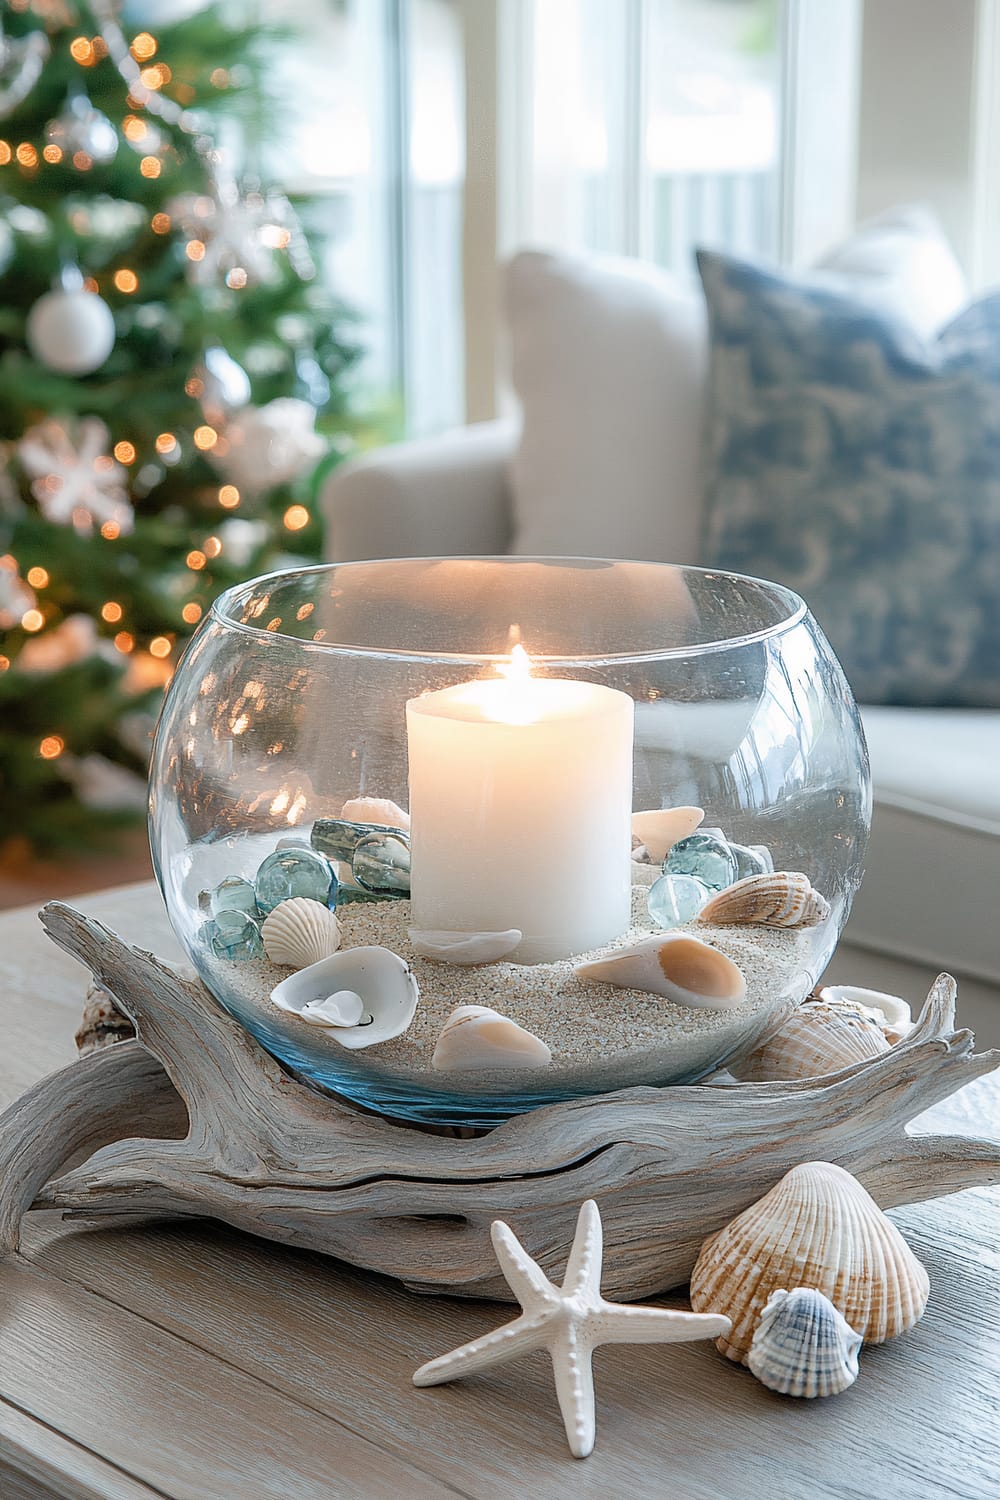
520 808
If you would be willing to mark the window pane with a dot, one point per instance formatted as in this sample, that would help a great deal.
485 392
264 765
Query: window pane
712 126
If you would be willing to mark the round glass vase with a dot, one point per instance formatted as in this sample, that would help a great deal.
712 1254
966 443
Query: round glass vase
445 756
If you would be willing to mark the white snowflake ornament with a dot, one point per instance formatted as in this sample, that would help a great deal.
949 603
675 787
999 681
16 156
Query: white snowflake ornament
74 479
271 445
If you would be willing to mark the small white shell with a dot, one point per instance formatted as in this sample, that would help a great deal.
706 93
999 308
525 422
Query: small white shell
464 947
300 932
387 989
475 1039
682 968
345 1008
378 810
660 828
888 1011
784 898
817 1038
803 1346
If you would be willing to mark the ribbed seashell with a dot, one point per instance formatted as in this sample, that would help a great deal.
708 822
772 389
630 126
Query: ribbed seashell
888 1011
659 829
464 947
803 1346
782 899
818 1228
379 977
681 968
817 1038
476 1039
300 932
381 811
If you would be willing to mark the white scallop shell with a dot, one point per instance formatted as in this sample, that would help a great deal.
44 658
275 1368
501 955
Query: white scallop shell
387 989
476 1039
682 968
817 1038
378 810
819 1228
660 828
891 1013
300 932
785 898
803 1346
464 947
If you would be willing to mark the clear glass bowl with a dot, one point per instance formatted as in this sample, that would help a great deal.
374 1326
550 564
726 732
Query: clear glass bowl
651 687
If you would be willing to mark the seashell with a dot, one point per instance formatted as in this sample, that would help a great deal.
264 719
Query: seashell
387 990
381 811
345 1008
464 947
782 899
475 1039
817 1038
817 1228
660 828
888 1011
803 1346
682 968
300 932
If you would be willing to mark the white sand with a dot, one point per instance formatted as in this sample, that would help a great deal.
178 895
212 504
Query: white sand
600 1036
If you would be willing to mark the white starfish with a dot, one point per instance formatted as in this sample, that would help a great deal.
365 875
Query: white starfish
570 1321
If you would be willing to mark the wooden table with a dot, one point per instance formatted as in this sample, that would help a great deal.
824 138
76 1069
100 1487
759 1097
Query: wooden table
187 1361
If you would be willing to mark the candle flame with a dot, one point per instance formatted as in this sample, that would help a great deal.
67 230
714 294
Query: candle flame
518 669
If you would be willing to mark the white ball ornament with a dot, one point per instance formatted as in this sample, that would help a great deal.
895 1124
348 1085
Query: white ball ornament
71 331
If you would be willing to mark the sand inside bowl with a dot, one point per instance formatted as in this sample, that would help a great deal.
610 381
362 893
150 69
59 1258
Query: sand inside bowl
600 1036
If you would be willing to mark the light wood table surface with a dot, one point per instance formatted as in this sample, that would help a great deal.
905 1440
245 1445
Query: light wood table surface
188 1361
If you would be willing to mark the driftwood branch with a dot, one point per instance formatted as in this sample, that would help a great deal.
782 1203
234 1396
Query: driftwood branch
260 1151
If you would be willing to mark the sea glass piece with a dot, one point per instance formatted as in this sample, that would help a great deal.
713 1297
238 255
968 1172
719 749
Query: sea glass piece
233 934
706 856
295 872
338 837
674 899
234 894
752 859
381 864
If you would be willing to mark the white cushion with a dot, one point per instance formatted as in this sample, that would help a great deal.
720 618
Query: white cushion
933 867
609 362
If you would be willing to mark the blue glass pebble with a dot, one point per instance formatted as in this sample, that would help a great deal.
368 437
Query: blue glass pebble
674 899
752 859
234 894
295 872
233 934
706 856
381 863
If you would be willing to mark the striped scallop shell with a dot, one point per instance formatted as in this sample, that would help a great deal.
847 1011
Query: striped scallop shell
817 1228
299 932
784 898
817 1038
803 1346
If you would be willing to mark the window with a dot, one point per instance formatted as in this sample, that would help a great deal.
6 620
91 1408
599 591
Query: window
372 127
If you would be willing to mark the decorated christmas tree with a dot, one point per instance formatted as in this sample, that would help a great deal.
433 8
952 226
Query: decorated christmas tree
165 348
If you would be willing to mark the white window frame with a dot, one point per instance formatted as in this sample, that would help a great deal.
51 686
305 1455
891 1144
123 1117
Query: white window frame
820 44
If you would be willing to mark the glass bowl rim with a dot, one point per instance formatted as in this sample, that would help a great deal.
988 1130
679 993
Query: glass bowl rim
797 611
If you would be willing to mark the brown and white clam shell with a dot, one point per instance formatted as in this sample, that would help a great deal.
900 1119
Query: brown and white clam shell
889 1011
679 967
817 1038
659 829
476 1038
380 811
818 1228
784 898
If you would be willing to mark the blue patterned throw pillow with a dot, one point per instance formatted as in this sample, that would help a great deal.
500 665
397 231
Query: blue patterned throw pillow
860 465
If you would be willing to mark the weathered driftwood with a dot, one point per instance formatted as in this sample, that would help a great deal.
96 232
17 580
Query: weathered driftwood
262 1152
